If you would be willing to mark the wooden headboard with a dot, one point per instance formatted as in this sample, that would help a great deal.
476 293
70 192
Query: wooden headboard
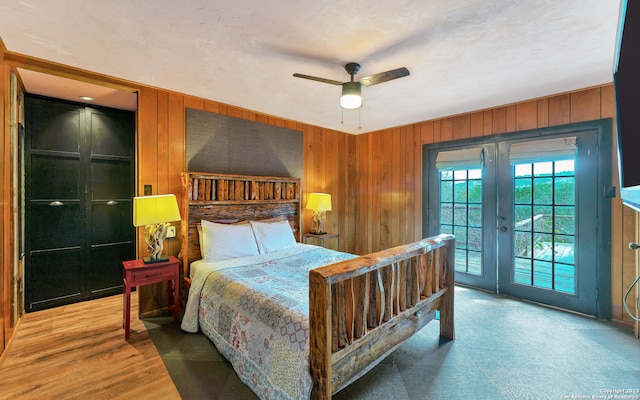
225 197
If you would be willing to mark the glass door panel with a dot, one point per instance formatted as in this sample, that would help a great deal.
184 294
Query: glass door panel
462 210
461 215
544 225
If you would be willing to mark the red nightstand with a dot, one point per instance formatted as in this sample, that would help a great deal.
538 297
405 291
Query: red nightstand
137 273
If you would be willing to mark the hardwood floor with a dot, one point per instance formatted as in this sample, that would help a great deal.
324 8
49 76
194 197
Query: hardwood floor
79 351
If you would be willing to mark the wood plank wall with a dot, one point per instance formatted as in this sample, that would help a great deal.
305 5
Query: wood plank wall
389 172
5 171
160 154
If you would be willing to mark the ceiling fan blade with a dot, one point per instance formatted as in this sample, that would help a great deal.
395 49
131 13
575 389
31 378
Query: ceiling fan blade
384 76
315 78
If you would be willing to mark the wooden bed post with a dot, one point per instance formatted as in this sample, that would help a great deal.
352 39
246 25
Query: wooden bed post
320 335
447 329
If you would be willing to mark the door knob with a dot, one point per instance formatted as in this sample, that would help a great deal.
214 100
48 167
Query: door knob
634 246
502 229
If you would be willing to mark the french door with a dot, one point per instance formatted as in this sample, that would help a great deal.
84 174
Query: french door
529 213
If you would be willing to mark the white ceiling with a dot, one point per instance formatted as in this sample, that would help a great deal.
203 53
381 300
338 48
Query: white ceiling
67 89
463 55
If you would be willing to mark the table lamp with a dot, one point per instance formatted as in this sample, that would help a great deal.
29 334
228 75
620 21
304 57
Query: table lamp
319 203
155 213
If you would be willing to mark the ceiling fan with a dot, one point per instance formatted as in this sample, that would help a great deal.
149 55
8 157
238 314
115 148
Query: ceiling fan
351 91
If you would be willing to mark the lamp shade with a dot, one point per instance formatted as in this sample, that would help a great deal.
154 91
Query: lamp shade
351 95
319 202
148 210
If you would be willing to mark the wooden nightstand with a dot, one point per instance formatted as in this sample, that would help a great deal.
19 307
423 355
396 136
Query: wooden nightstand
320 240
137 273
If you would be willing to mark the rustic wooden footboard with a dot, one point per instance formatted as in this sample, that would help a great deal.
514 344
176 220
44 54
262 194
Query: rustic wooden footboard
362 309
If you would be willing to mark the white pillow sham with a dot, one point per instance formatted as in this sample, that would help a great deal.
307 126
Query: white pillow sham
273 236
218 221
224 241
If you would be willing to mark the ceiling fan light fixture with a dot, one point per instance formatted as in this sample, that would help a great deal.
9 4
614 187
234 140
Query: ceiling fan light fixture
351 95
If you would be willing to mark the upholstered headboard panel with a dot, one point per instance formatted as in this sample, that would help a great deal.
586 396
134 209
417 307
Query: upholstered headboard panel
219 143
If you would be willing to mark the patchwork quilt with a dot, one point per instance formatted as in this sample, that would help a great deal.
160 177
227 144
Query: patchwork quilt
255 310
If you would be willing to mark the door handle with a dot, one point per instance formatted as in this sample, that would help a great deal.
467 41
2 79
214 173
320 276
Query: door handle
502 229
56 203
112 203
634 246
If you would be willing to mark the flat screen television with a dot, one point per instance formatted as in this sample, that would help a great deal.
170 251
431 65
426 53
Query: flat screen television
626 79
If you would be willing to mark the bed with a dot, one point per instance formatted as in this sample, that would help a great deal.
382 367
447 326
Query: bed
328 317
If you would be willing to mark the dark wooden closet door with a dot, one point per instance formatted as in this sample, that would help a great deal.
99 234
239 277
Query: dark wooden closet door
55 195
78 190
109 205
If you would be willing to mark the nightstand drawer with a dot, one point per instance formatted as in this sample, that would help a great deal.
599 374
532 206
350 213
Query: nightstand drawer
152 275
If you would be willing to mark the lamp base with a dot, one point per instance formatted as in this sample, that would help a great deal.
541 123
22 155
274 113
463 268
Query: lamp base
149 260
154 235
317 222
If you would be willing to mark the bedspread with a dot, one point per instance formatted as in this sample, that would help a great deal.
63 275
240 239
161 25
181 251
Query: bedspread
257 316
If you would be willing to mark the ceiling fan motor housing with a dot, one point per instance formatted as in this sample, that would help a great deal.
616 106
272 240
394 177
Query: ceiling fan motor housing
352 69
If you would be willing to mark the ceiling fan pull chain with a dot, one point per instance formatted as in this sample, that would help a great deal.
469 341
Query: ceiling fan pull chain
359 119
342 116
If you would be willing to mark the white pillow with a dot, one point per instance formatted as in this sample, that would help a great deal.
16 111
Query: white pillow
273 236
223 241
217 221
